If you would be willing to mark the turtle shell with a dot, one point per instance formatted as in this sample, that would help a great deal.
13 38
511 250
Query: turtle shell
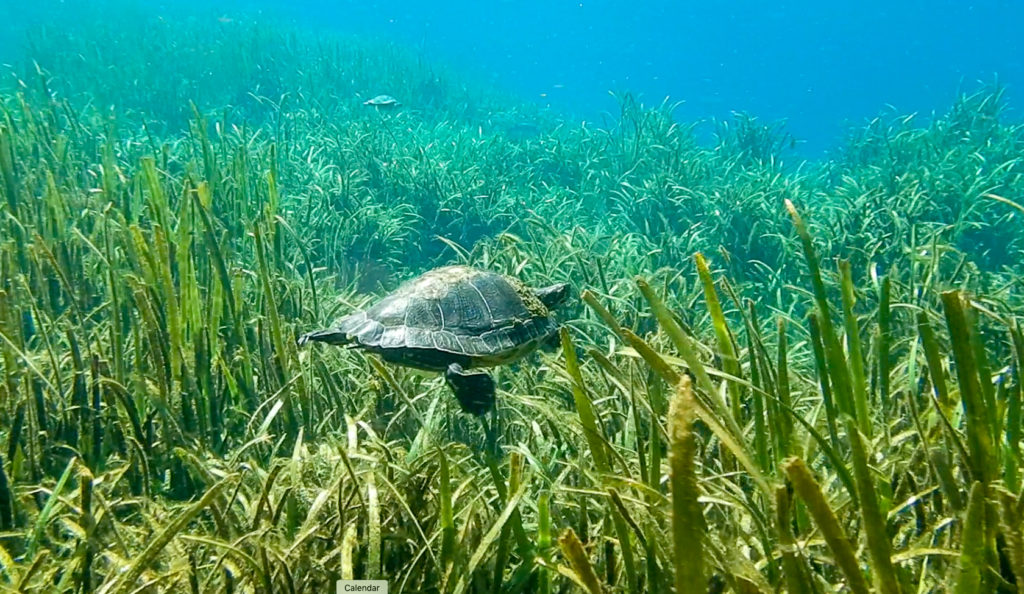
455 314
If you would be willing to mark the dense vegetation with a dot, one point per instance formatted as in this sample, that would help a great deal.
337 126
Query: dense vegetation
778 376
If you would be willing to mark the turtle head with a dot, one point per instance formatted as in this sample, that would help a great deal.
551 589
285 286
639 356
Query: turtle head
554 295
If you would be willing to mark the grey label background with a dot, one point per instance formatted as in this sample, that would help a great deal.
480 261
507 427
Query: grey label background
382 586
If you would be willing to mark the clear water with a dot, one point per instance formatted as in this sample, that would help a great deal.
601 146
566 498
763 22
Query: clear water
821 66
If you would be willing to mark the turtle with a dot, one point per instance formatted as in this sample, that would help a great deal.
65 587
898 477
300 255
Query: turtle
382 101
454 320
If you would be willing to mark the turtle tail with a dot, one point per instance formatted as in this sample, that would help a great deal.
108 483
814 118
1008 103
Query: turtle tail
341 333
330 336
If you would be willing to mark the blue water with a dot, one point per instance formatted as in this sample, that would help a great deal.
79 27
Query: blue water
822 66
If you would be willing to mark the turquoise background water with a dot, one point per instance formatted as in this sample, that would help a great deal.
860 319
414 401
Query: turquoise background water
822 66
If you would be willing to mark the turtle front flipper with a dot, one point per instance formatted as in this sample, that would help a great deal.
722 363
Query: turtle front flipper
474 389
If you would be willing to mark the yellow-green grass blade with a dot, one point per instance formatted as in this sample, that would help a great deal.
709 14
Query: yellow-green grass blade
884 340
735 446
583 570
972 563
447 519
879 547
584 406
489 538
979 439
544 540
596 441
838 542
128 580
688 527
855 357
683 344
1012 434
794 569
824 381
730 363
839 373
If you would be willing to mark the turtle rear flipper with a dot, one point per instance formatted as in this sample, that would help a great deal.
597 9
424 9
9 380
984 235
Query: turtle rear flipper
474 389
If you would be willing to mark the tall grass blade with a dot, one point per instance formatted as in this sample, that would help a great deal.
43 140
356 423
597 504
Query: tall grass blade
573 550
979 439
48 510
596 441
730 363
972 552
488 540
856 358
838 542
688 528
838 371
874 524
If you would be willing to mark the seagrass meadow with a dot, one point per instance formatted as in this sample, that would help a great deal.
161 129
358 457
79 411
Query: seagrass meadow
774 375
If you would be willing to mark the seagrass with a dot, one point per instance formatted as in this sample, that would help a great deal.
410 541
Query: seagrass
182 200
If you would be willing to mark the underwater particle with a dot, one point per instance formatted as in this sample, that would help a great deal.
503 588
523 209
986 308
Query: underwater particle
454 320
382 101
